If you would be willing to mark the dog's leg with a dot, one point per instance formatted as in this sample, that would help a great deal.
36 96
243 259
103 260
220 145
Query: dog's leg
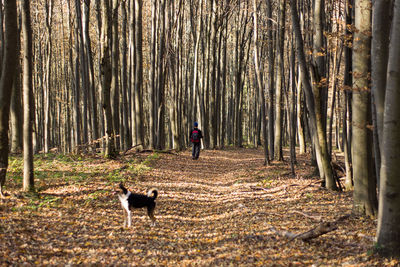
129 218
124 211
125 215
150 212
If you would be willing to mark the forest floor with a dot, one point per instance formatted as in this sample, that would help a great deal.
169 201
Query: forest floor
225 209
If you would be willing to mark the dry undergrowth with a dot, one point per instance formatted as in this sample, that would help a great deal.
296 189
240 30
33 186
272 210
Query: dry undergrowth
216 211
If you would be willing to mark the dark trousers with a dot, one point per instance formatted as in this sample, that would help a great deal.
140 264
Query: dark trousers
195 150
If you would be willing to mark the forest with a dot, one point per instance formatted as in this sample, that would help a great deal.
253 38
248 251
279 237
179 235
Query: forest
298 102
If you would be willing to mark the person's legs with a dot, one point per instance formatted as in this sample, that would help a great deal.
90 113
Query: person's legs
197 150
193 150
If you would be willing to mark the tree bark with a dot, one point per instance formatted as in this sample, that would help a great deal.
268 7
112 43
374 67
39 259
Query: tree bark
105 69
279 88
365 201
379 59
161 79
348 81
139 72
6 81
314 125
388 232
260 87
152 75
114 90
84 72
320 94
300 115
271 59
91 82
16 107
77 117
125 137
47 123
28 180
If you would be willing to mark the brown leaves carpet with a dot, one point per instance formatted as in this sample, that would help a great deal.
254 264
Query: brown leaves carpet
215 211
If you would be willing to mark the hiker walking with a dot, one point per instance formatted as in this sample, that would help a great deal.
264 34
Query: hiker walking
195 136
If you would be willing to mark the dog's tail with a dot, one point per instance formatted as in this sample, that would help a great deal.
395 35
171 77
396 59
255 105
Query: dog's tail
152 191
124 190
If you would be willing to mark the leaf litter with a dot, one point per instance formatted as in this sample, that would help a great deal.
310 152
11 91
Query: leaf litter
215 211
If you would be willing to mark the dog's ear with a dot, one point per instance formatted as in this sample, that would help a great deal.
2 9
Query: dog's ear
124 190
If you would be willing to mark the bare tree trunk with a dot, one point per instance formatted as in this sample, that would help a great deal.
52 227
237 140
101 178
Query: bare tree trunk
161 79
91 84
224 85
271 59
300 111
240 53
84 72
16 119
348 81
260 87
365 201
6 81
28 181
114 90
320 95
291 103
279 88
213 61
388 232
105 69
49 19
125 137
379 59
139 72
77 91
196 115
314 128
152 74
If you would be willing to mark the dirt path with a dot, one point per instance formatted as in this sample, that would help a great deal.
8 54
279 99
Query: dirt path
210 212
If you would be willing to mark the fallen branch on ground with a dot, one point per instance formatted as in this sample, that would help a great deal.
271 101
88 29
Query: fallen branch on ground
321 229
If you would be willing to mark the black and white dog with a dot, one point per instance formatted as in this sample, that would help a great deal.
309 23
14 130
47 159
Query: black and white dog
131 200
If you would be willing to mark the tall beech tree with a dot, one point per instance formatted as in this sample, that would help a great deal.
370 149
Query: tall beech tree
280 82
388 233
260 86
315 121
6 83
365 198
139 118
105 70
114 89
379 58
28 180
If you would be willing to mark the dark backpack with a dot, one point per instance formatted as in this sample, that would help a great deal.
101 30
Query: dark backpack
195 136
